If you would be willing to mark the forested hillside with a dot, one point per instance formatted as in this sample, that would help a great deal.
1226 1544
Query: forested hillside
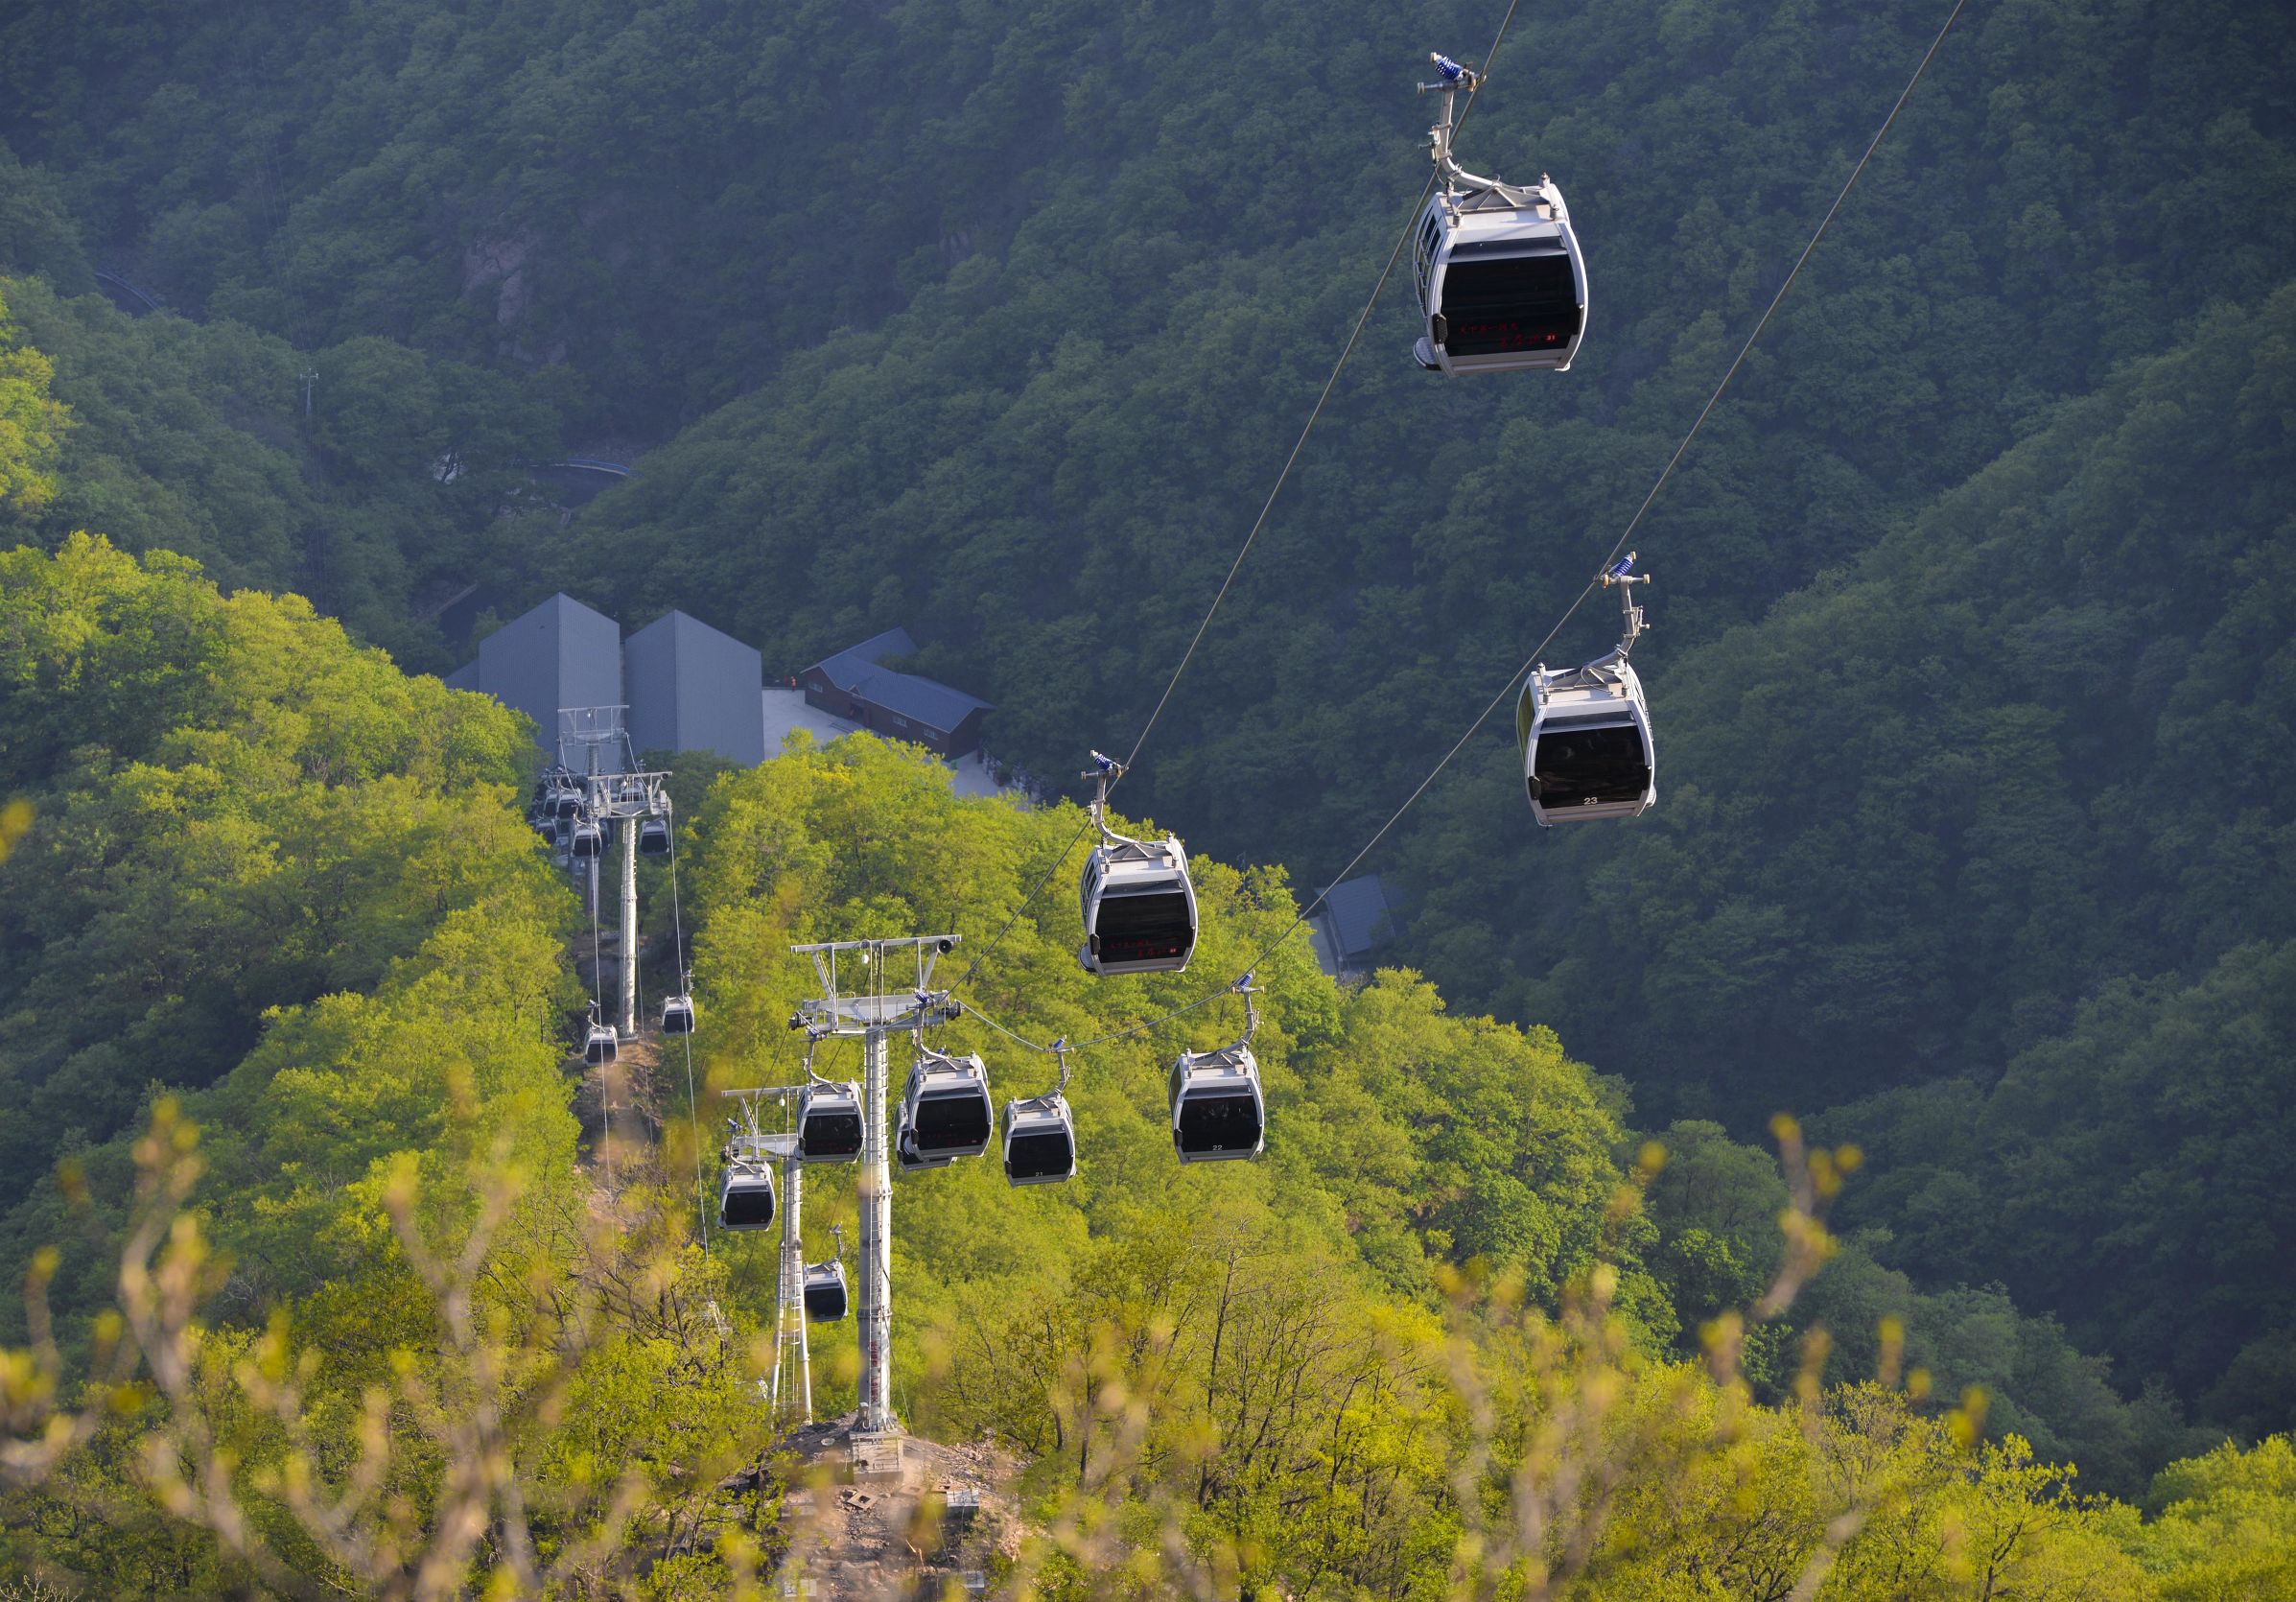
1970 673
1986 839
270 900
1412 1141
403 483
234 812
1285 1372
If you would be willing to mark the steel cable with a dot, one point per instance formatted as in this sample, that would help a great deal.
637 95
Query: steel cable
1531 661
1355 335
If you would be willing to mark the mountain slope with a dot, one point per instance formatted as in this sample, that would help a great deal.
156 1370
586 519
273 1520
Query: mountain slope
1982 804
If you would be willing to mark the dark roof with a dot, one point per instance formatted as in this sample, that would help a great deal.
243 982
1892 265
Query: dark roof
1362 914
855 672
856 662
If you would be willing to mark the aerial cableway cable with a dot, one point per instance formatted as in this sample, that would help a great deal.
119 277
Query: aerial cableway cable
1315 414
1606 570
677 925
1354 338
1050 868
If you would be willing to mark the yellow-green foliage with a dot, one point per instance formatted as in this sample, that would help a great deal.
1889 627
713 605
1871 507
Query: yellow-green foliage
32 424
2224 1528
271 871
250 833
1412 1354
1284 1373
265 861
1400 1137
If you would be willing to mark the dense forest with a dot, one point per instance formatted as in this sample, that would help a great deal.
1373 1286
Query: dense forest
1971 681
1454 1247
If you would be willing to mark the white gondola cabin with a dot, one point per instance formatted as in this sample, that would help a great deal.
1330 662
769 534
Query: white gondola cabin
1500 280
653 838
1138 905
745 1194
829 1122
600 1044
588 841
946 1111
824 1295
1586 738
677 1015
1040 1140
1140 909
905 1152
1218 1113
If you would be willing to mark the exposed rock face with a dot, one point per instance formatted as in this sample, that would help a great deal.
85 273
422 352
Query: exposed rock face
503 263
942 1516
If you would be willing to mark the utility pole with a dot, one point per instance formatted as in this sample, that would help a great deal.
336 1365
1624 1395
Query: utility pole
875 1016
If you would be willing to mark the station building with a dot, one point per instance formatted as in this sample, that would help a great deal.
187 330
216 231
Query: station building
689 687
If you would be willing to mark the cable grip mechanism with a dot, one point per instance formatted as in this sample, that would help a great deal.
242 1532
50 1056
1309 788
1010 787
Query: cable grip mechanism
1621 577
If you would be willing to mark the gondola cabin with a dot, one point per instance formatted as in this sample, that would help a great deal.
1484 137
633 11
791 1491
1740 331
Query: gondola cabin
653 838
947 1109
745 1194
1140 909
1586 738
828 1124
1218 1113
600 1044
905 1152
589 841
677 1015
1040 1140
825 1296
1500 281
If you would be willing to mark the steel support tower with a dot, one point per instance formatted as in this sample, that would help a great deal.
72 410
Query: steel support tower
790 1388
877 1006
594 746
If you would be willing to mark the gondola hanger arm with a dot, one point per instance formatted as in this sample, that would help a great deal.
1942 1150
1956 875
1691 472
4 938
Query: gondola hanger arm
1621 577
1244 988
1105 771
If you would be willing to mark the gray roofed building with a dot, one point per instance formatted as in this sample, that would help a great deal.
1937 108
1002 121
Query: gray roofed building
853 684
693 688
560 654
689 687
1357 918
